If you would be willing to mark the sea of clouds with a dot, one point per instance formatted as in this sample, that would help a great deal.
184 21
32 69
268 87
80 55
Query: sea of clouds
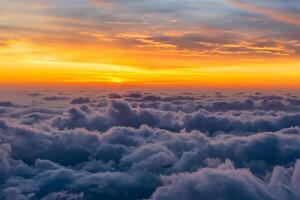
158 146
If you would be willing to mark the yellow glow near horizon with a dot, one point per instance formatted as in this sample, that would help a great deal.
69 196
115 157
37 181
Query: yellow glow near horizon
55 49
47 72
25 63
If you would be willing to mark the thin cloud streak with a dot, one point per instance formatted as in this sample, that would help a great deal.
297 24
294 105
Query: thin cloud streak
273 14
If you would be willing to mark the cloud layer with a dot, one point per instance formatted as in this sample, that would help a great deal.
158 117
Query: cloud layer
137 145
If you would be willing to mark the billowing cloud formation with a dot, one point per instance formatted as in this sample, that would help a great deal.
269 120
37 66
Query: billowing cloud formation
149 146
219 183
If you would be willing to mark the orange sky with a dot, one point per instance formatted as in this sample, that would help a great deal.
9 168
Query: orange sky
227 43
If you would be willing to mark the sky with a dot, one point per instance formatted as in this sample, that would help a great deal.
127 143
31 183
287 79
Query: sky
195 43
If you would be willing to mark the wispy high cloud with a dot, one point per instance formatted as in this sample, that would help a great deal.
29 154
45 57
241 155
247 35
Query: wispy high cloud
272 13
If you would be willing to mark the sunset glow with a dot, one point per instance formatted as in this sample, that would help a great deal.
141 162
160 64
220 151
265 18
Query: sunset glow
226 43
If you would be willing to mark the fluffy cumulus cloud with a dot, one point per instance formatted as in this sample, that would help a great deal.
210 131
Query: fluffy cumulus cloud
137 145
